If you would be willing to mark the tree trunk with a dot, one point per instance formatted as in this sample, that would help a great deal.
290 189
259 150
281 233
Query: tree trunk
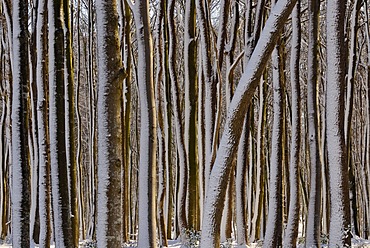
21 195
70 123
235 117
59 170
191 99
339 232
314 205
275 219
349 112
110 76
291 233
148 129
42 119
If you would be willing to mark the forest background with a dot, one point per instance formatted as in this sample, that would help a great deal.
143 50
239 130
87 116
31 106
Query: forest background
206 121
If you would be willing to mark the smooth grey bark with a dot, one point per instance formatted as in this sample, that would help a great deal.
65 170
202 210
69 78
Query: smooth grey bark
339 231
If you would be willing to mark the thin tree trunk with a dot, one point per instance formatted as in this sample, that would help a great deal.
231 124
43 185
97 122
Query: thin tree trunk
191 89
181 208
126 119
70 123
148 129
80 189
291 233
42 117
274 222
314 205
349 113
209 88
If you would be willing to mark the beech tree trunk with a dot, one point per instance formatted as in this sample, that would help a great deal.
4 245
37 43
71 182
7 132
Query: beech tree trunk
339 231
21 181
110 77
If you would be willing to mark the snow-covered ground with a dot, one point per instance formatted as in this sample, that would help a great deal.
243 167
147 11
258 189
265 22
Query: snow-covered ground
356 242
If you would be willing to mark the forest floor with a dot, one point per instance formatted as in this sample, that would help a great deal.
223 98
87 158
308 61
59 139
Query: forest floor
356 242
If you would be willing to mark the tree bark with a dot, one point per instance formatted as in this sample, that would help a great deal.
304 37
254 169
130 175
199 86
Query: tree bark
148 129
235 117
339 231
291 233
314 205
110 77
21 184
59 170
42 119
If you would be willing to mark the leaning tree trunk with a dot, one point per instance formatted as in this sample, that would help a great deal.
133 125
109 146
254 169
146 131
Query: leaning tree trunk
235 117
339 232
21 195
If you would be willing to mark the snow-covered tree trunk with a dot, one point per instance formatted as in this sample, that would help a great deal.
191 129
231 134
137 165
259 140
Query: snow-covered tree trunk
291 232
80 191
314 204
42 107
240 194
257 204
209 103
183 170
148 129
352 68
367 166
92 123
236 113
274 227
33 134
3 146
168 120
126 54
191 99
110 77
162 173
21 195
70 122
59 171
339 232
